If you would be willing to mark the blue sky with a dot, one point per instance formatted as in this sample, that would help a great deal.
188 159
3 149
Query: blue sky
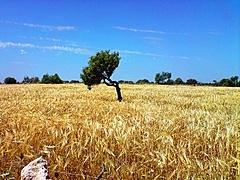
190 38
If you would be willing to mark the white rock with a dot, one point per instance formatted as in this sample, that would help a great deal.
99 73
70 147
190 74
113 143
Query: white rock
35 170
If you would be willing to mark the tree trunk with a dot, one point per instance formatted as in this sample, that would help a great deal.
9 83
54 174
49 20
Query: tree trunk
116 85
118 92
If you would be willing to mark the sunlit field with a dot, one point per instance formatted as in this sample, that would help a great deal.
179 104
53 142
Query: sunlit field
156 132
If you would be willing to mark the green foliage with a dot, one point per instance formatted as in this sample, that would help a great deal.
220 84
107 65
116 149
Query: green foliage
179 81
226 82
163 77
33 80
234 80
54 79
170 82
10 80
191 82
100 66
45 79
143 81
125 82
231 82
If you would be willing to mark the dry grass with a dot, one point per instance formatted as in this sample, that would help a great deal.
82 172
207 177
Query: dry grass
157 132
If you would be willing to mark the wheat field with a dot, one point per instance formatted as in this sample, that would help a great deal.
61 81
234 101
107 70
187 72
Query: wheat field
156 132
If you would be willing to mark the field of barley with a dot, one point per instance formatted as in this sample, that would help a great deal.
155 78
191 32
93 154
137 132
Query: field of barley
156 132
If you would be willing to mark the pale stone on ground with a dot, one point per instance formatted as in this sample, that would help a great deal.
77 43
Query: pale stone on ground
35 170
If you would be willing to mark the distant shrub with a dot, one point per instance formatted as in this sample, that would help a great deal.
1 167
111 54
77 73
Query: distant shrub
143 81
191 82
33 80
54 79
125 82
74 81
10 80
179 81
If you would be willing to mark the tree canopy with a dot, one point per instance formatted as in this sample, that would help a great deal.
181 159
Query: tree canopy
143 81
179 81
191 82
100 68
33 80
10 80
54 79
161 78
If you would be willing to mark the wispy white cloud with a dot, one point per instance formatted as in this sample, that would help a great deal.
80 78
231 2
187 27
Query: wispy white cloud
76 50
53 39
153 38
68 49
147 31
45 27
24 63
48 39
213 33
155 56
137 30
12 44
183 57
79 50
129 52
139 53
41 38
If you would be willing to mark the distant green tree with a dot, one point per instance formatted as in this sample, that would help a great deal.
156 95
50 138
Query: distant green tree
10 80
129 82
33 80
163 77
54 79
231 82
125 82
170 82
191 82
179 81
234 79
46 79
215 83
26 80
143 81
100 68
226 82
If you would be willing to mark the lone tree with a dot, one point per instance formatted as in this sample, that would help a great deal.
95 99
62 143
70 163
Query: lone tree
179 81
191 82
10 80
161 78
100 68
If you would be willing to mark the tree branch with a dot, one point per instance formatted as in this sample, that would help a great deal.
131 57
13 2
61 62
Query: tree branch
112 83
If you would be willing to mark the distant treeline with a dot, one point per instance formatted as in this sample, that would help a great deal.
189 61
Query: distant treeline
165 78
46 79
160 78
